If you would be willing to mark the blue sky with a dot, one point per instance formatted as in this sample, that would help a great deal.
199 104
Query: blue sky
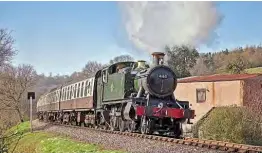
60 37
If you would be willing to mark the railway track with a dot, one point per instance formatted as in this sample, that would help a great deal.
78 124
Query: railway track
211 144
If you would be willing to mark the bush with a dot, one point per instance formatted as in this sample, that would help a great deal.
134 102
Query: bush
232 124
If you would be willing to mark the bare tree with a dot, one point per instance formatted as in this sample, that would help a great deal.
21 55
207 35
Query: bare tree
7 138
91 68
237 66
200 68
14 83
7 50
3 144
121 58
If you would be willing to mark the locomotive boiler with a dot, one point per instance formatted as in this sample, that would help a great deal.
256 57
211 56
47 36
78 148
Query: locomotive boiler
126 96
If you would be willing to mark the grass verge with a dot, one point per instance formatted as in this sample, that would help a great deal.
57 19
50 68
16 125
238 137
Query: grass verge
41 142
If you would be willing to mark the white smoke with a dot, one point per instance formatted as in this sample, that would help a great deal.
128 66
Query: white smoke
153 25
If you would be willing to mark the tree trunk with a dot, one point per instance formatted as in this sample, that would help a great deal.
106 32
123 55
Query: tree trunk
20 115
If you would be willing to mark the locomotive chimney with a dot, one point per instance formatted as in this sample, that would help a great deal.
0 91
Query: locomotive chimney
141 64
157 57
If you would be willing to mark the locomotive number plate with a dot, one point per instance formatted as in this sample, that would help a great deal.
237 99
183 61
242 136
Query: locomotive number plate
162 76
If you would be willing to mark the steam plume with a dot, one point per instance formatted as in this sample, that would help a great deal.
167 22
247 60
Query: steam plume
152 25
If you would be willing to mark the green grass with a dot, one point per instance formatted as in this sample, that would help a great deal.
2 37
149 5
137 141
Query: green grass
254 70
42 142
19 128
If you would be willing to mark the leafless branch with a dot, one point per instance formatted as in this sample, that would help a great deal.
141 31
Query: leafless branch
14 83
7 50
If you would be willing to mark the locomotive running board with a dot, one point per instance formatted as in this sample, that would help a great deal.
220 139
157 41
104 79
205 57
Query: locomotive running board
117 101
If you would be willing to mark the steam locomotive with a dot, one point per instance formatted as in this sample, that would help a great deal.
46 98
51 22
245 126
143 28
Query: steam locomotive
125 96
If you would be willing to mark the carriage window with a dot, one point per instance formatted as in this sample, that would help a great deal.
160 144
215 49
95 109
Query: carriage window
85 92
65 93
66 97
62 96
82 89
58 95
89 88
78 90
70 93
75 90
201 95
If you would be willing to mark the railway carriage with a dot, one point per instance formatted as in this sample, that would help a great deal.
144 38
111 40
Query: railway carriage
130 96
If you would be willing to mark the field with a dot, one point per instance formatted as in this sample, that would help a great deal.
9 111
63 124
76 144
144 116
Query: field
42 142
254 70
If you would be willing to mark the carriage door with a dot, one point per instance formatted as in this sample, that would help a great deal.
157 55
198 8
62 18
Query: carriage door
100 87
105 80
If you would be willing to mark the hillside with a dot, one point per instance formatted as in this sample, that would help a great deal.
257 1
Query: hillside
254 70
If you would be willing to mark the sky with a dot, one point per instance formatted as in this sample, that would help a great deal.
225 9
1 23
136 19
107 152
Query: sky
60 37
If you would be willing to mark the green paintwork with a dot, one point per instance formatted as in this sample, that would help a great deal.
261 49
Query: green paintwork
136 85
113 89
99 92
119 86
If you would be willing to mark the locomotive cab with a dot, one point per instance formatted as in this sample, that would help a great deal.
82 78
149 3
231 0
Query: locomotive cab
116 83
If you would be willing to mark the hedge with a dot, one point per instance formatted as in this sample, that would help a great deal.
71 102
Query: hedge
232 124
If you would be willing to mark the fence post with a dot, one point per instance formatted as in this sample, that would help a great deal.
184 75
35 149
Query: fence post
31 96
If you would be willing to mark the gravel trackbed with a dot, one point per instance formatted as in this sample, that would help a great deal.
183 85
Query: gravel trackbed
121 142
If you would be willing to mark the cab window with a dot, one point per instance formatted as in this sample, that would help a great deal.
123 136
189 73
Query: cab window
104 75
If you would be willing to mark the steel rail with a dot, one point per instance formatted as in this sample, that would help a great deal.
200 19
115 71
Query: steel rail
211 144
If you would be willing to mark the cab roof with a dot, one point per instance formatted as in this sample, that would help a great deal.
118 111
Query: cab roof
126 62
